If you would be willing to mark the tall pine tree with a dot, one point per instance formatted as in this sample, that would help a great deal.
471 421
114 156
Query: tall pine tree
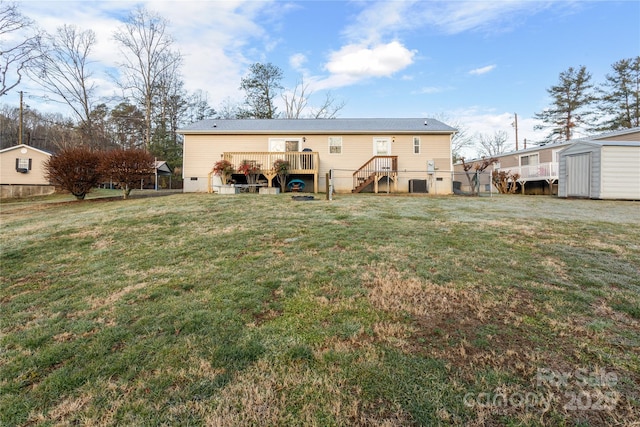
620 96
572 97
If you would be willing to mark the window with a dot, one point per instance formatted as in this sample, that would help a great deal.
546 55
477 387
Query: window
335 145
416 145
282 145
381 146
23 165
529 160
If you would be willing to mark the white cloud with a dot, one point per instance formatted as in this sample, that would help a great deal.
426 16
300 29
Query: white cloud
217 39
482 70
296 61
428 90
380 19
355 62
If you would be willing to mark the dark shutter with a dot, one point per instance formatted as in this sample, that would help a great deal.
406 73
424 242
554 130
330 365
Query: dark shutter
29 164
17 163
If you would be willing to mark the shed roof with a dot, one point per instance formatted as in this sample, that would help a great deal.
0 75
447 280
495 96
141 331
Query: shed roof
371 125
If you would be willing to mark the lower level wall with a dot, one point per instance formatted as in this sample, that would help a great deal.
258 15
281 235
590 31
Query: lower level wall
437 183
8 191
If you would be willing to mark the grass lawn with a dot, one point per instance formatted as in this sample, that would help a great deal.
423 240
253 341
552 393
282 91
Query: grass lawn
368 310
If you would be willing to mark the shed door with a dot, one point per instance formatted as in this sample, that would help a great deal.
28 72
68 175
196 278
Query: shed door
578 175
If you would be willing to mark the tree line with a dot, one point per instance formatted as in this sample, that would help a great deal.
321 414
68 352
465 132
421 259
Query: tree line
152 103
578 103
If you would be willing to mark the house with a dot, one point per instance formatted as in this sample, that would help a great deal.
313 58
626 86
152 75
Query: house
600 169
538 167
371 155
22 172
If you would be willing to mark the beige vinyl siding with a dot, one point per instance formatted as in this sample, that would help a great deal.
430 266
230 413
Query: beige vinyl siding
35 176
202 151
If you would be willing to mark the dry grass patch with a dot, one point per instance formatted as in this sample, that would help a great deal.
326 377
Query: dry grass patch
292 395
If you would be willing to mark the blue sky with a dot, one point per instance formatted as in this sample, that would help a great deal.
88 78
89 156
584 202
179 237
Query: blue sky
472 62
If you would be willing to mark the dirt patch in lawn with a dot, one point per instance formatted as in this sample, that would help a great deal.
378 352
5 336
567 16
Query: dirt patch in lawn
505 343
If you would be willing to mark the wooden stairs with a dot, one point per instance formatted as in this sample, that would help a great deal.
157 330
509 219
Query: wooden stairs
373 171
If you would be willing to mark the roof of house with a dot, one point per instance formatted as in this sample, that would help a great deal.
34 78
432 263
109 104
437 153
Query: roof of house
595 139
372 125
615 133
4 150
614 143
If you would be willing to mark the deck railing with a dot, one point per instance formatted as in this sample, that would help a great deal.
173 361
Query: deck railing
541 171
305 162
378 165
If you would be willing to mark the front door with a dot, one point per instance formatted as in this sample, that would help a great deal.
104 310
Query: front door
289 145
382 147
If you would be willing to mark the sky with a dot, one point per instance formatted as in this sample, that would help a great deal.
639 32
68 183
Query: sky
471 63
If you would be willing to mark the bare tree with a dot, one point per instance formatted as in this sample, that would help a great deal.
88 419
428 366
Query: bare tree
198 107
474 177
228 109
491 146
461 140
329 108
297 102
18 45
147 56
63 69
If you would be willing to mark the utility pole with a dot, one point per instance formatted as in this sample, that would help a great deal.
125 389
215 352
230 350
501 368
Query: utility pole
20 124
515 124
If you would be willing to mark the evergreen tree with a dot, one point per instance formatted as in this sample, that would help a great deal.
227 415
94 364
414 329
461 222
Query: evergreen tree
620 96
572 97
261 87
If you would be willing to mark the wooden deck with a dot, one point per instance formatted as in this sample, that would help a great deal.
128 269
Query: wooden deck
301 163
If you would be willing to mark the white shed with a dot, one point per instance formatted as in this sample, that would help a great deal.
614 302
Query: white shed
600 170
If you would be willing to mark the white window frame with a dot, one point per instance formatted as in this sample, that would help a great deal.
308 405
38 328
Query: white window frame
418 145
375 145
335 142
283 143
537 155
23 163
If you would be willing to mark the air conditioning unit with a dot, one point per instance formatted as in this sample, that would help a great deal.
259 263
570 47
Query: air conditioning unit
418 186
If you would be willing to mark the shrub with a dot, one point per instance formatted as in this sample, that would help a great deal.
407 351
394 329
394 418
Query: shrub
251 170
75 170
281 168
224 169
127 167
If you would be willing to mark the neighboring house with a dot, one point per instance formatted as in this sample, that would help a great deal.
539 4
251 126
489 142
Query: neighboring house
600 169
538 167
22 171
361 154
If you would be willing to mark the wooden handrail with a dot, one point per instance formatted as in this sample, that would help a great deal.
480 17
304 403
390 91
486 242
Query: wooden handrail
377 165
300 162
